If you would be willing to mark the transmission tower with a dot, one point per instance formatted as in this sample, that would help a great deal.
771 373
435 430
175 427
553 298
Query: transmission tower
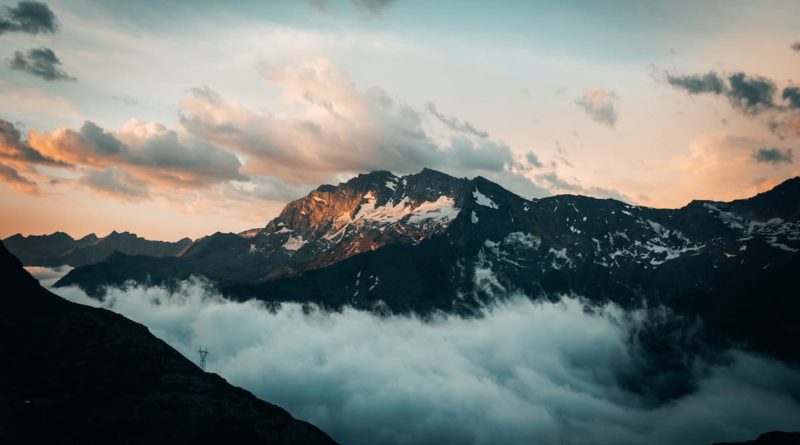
203 354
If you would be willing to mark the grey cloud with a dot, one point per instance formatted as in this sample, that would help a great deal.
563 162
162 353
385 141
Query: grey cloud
525 372
554 180
28 17
13 147
39 62
747 93
796 46
709 82
563 185
600 105
774 155
274 189
455 124
792 95
533 159
102 141
481 155
388 136
751 93
164 156
372 7
114 181
19 182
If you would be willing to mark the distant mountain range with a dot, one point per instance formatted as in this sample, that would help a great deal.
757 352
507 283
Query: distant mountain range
74 374
431 242
59 249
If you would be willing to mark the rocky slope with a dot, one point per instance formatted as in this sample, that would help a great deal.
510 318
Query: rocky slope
59 249
75 374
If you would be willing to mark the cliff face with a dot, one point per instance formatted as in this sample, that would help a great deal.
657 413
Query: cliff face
75 374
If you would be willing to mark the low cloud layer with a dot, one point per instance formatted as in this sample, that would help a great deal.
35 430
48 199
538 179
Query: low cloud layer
600 104
527 372
39 62
28 17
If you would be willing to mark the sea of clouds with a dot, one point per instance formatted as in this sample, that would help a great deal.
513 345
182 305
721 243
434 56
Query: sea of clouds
526 372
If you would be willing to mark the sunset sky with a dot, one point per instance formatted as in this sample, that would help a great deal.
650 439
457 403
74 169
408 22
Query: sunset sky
182 118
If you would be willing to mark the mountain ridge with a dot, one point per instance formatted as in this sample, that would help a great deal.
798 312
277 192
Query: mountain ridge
59 248
430 242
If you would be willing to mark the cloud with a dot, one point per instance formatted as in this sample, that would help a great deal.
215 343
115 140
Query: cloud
709 82
18 182
115 182
28 17
792 95
39 62
525 372
340 129
751 94
561 185
727 167
271 189
795 46
774 155
370 8
747 93
455 124
146 150
533 159
600 104
13 148
373 8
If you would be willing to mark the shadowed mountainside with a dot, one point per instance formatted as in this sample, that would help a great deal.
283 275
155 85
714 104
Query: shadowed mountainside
75 374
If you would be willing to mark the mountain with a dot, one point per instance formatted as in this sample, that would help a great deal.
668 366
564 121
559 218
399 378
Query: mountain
771 438
59 249
430 242
75 374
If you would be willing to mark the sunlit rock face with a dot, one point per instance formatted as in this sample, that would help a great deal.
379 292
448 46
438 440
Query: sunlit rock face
361 215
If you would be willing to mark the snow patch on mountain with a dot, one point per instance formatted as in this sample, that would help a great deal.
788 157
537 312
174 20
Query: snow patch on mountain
294 243
483 200
442 210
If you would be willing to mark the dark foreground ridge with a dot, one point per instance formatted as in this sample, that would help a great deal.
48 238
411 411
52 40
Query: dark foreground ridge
75 374
771 438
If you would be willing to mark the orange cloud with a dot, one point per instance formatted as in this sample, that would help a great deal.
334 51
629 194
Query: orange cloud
726 167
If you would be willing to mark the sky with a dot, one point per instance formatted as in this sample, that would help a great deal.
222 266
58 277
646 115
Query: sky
183 118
